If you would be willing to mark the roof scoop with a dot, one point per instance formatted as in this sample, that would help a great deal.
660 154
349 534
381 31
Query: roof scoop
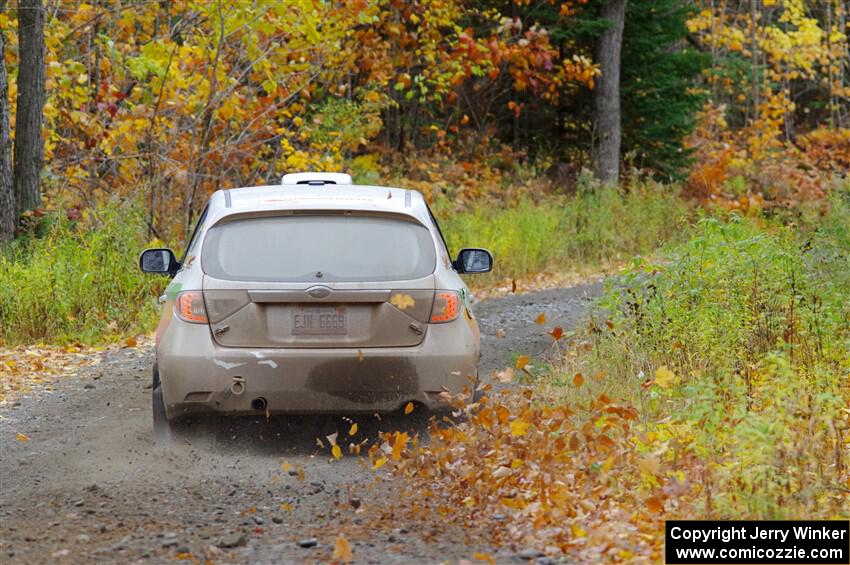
315 179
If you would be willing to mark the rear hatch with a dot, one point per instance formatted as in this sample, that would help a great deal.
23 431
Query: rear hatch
318 279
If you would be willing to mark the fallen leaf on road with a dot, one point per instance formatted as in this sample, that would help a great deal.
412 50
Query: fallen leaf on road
557 333
578 379
353 429
502 472
506 376
650 465
336 452
342 549
541 319
501 333
408 408
521 361
519 427
654 504
21 437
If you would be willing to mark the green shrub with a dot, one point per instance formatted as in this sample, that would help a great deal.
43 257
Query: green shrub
736 347
566 233
78 281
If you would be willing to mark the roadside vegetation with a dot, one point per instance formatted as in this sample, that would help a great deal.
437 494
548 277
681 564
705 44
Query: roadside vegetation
567 233
712 382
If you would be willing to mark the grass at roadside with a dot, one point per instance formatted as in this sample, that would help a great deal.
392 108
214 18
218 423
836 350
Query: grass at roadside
736 351
566 233
78 281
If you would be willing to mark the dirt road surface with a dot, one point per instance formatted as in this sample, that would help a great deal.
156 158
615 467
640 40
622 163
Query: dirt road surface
91 486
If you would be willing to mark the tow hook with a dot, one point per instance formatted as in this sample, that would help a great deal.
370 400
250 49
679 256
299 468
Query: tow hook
237 387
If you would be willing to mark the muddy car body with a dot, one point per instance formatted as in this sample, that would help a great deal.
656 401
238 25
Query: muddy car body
313 296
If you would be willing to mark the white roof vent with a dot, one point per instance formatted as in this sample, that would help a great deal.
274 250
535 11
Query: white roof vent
316 179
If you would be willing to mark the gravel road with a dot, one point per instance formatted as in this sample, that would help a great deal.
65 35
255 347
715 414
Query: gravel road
90 486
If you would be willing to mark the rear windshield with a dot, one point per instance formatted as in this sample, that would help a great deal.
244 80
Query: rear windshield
318 248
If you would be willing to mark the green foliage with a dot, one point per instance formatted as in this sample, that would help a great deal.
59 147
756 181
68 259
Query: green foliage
566 233
737 348
77 281
344 124
659 85
736 292
659 81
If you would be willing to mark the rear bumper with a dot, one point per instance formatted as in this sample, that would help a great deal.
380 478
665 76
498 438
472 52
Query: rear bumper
197 374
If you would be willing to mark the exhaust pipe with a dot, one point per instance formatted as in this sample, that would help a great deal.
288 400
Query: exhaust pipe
237 387
259 403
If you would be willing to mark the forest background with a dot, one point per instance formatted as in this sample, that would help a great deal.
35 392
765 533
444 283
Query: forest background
698 149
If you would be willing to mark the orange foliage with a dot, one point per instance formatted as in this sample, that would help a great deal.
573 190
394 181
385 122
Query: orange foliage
571 482
751 168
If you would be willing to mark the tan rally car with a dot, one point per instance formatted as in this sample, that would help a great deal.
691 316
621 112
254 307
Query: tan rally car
313 296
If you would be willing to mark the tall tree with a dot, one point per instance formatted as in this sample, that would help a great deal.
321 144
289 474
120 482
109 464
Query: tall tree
659 75
29 148
8 209
606 96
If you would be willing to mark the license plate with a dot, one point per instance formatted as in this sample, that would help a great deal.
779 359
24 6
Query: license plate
317 320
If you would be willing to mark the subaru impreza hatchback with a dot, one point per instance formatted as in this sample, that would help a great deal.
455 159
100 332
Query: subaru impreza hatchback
313 296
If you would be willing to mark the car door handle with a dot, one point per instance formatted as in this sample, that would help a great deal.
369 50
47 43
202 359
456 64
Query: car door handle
162 299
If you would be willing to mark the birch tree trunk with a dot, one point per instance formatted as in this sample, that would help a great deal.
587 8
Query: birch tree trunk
606 96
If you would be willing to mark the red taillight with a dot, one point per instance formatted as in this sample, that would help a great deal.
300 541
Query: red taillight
446 306
189 307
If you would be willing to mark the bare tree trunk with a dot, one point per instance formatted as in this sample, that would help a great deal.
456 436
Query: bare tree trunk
29 148
606 96
754 46
8 208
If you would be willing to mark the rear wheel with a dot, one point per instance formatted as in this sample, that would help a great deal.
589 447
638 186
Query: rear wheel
161 425
477 394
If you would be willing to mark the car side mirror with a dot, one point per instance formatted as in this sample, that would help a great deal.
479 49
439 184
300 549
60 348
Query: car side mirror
474 260
161 261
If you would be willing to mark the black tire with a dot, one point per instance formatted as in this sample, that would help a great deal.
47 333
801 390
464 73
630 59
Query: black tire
161 425
477 394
